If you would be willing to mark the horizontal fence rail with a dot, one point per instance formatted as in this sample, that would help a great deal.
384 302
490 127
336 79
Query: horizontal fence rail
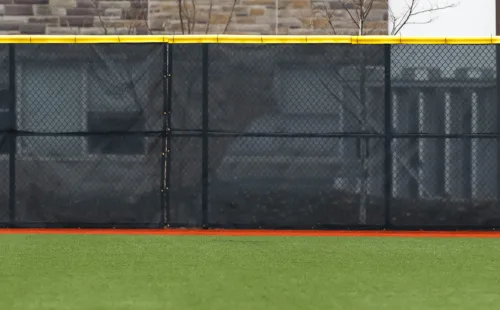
250 131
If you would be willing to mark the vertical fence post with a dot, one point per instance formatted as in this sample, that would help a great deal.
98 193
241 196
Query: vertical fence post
164 148
498 117
12 136
388 135
167 126
204 168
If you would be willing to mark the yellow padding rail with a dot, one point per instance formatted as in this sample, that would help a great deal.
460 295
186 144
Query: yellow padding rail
244 39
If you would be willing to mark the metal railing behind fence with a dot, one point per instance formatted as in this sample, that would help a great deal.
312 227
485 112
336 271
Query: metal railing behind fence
249 131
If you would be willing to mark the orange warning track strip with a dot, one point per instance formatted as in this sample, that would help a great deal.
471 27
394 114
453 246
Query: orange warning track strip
262 233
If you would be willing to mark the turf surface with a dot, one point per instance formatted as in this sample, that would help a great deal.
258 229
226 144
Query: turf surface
165 272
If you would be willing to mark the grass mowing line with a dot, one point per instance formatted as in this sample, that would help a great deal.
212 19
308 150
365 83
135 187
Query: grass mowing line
254 233
103 272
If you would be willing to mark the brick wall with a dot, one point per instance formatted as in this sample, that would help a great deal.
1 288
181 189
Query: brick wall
198 16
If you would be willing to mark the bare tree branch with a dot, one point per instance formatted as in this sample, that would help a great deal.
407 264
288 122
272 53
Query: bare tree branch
193 17
230 17
96 10
368 9
179 4
399 22
185 12
209 16
359 12
404 19
146 22
354 19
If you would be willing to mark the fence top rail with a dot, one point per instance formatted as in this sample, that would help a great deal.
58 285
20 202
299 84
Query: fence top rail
242 39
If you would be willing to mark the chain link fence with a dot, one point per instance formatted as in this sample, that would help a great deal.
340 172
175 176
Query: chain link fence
86 130
233 135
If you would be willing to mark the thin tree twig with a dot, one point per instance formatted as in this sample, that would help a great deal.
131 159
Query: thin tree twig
146 22
185 12
230 17
329 16
193 17
209 16
412 12
179 4
354 20
96 10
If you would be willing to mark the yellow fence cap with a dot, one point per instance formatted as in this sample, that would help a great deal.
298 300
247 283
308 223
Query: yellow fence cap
239 39
469 40
141 39
243 39
284 39
376 40
189 39
423 40
15 39
97 39
329 39
67 39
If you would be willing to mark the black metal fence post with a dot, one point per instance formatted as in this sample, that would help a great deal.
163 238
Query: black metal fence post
388 135
164 148
204 207
12 135
498 117
167 104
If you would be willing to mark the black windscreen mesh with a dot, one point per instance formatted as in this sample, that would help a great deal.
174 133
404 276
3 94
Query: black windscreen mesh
4 178
229 135
187 82
294 182
250 83
89 145
445 170
6 136
274 145
185 181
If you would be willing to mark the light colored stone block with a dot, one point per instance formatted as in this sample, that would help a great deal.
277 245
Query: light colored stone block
114 4
259 2
17 19
244 19
94 31
62 3
219 18
62 30
113 12
258 11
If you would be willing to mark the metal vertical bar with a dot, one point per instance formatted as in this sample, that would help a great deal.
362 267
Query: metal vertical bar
12 135
498 112
164 149
388 135
168 129
497 32
422 143
466 148
205 138
448 154
474 150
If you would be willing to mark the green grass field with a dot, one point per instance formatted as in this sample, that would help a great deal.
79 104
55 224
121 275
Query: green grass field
166 272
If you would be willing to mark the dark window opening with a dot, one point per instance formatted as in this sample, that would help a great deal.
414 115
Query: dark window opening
115 133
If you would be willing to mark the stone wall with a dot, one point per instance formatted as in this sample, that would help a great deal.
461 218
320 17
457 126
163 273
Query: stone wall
198 16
